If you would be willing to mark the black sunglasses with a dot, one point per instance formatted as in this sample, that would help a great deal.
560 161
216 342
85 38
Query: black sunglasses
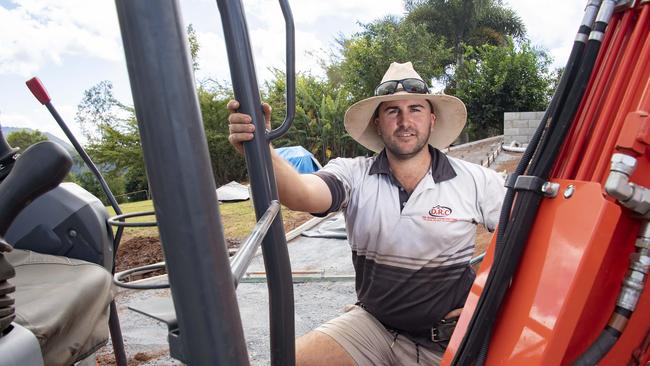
410 85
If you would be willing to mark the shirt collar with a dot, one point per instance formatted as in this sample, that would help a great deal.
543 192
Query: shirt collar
441 169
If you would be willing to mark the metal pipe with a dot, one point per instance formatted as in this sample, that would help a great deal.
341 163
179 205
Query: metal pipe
182 185
263 188
239 263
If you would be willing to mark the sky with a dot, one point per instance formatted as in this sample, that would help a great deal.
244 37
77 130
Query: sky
72 45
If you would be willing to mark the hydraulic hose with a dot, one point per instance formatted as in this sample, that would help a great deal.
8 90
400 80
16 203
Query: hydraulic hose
599 349
511 234
619 187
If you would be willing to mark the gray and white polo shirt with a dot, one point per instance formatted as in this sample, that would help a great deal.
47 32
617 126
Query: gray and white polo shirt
411 253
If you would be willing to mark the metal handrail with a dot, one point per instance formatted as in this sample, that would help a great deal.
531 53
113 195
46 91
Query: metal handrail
239 263
260 172
290 74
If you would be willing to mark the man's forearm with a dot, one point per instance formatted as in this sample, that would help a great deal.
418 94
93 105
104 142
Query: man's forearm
299 192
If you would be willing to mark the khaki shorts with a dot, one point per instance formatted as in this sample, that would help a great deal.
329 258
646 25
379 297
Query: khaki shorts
370 343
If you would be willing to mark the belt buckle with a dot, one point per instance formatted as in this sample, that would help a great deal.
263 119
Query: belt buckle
434 335
444 323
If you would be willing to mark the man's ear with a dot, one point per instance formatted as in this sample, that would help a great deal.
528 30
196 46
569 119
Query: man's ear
433 120
376 122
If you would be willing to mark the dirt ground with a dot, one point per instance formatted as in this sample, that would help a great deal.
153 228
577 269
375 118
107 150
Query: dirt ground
142 250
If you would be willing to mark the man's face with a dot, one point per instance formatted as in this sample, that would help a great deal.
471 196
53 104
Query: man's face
405 126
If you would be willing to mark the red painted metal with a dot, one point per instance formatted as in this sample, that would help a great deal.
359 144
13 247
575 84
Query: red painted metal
612 101
566 160
615 92
577 254
631 95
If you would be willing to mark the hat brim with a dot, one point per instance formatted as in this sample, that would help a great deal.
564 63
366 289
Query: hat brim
451 116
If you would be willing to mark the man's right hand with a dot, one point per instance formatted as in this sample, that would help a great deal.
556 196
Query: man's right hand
306 192
240 125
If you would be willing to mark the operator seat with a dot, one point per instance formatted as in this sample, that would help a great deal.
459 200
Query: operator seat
64 302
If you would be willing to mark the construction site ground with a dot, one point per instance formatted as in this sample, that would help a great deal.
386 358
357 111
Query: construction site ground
324 285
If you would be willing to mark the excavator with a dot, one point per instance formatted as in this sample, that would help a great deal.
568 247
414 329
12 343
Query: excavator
562 282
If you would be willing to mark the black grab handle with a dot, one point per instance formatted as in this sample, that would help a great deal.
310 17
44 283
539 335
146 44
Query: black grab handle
290 74
260 171
39 169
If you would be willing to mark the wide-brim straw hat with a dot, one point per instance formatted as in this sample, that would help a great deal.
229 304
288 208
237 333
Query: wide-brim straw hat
450 112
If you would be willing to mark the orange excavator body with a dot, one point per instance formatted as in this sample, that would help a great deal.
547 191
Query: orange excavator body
578 251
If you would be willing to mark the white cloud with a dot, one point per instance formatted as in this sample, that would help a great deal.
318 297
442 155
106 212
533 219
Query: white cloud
45 31
317 24
551 24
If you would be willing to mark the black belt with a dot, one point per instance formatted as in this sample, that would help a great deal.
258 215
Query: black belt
436 338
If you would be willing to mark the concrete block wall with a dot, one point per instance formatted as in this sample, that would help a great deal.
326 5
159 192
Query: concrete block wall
520 126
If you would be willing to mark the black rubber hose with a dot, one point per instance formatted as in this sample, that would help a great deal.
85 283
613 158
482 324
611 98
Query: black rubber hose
599 348
571 108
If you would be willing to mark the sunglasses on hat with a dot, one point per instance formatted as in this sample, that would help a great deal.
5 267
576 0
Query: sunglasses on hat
410 85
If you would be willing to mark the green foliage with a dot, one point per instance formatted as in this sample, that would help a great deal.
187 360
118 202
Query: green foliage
25 138
115 182
318 122
194 46
494 80
227 165
466 22
113 141
98 108
366 55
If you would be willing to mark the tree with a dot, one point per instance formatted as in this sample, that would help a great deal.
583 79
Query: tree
466 22
113 138
227 165
365 56
318 122
194 46
25 138
496 79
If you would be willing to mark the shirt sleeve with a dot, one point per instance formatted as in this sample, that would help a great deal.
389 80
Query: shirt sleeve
491 198
339 175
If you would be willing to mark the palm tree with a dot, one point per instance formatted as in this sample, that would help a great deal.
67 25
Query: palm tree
470 22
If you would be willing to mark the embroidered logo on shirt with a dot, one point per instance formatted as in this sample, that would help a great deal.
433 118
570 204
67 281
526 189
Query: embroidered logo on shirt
440 211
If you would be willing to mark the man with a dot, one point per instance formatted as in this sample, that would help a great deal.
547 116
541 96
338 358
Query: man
411 214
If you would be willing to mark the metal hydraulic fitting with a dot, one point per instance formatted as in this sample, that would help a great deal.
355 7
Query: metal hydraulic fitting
630 195
636 275
623 163
640 262
631 291
642 243
617 184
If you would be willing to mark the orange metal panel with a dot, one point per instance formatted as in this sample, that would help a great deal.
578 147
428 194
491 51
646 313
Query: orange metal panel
556 276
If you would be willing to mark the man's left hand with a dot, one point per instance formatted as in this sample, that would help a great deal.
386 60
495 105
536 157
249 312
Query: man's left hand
454 313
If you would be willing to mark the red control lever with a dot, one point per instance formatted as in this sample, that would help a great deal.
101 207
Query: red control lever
37 88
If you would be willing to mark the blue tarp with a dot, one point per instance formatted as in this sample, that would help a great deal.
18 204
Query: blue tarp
300 158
